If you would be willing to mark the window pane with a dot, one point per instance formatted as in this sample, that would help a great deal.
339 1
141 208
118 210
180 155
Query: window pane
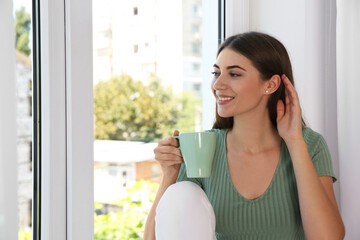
23 52
147 83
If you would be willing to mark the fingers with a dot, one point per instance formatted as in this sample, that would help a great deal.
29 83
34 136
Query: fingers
291 96
280 109
169 141
176 133
167 153
168 150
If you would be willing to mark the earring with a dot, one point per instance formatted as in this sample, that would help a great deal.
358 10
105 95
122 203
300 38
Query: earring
267 91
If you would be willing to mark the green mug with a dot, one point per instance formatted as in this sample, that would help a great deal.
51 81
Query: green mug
197 149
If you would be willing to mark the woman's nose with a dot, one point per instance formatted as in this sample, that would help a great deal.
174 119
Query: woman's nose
219 83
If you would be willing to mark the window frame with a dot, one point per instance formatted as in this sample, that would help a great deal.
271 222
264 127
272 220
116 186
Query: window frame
67 181
52 220
67 208
8 132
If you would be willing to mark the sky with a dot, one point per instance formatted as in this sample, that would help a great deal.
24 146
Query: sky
26 3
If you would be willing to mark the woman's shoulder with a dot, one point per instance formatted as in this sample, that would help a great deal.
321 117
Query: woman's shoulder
310 135
221 132
314 140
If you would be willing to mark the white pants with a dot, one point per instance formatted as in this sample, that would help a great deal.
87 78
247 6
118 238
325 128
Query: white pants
184 213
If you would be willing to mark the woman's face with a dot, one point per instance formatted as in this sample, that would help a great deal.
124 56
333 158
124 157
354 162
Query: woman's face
237 85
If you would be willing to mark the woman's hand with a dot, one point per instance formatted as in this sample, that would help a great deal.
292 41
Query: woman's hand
289 123
169 157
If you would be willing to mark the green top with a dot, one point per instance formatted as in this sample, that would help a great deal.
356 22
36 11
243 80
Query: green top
276 213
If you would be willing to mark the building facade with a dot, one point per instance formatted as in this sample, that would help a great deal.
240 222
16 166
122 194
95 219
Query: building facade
24 138
119 165
149 36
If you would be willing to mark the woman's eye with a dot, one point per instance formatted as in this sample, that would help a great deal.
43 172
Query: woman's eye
235 75
216 74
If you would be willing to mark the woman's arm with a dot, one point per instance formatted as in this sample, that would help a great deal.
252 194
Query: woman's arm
170 158
319 212
149 233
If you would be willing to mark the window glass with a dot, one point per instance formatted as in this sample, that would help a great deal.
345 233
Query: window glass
147 83
23 53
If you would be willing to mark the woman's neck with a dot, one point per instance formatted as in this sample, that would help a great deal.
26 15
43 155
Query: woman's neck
253 134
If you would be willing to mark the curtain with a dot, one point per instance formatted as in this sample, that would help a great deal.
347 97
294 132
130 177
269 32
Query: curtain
348 91
8 160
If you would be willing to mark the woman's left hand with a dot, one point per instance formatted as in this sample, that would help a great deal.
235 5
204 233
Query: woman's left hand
289 121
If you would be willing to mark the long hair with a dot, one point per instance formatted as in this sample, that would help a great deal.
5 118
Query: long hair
269 57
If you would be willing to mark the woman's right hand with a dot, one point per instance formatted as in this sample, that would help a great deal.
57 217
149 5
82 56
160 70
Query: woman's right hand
168 155
170 158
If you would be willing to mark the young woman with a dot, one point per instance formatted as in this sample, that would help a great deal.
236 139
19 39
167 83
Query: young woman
272 176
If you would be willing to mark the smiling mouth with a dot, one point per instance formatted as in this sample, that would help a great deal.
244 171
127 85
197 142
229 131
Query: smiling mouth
224 100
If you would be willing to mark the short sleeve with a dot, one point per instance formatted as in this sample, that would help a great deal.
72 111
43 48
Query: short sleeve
182 176
320 156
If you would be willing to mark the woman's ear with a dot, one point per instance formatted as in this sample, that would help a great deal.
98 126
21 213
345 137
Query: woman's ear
272 84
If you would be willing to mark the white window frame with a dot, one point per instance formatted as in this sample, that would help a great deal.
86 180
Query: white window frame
8 161
67 204
67 192
236 17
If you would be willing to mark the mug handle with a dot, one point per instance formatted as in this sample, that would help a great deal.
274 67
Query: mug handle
178 138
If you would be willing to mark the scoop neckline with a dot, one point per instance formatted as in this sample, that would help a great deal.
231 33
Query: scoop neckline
272 180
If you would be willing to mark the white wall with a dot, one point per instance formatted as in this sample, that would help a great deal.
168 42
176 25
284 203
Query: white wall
348 85
322 39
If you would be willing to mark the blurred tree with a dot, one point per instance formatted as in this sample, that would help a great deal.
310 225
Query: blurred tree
189 119
129 223
25 235
22 29
130 110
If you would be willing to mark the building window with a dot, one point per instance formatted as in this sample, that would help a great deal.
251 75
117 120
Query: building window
196 48
196 67
196 10
30 213
113 170
136 48
135 11
30 155
155 172
195 28
197 87
30 105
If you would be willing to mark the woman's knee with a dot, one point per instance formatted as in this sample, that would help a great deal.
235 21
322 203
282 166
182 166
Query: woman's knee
182 194
185 209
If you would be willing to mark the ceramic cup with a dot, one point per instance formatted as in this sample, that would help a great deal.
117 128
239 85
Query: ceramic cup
197 149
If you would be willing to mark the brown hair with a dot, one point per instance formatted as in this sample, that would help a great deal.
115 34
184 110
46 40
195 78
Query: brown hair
269 57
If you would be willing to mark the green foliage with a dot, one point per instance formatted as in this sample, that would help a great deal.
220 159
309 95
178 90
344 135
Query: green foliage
25 235
129 223
190 111
130 110
22 29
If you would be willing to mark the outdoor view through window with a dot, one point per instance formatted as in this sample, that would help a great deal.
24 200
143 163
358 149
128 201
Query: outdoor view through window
23 52
147 83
